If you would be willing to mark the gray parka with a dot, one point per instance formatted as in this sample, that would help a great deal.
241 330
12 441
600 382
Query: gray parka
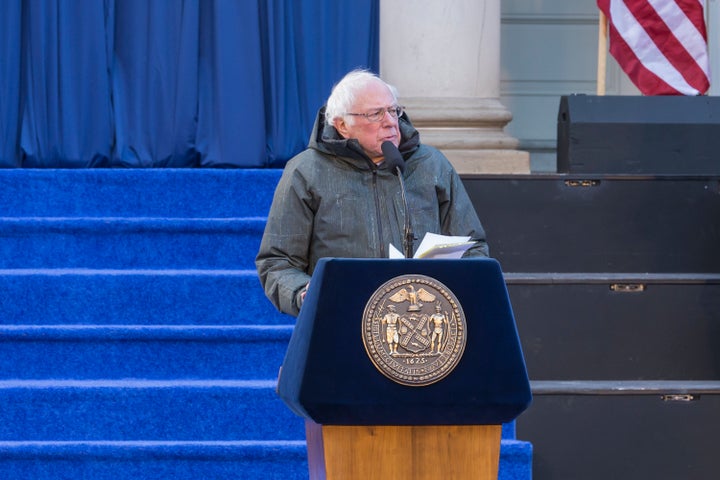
333 201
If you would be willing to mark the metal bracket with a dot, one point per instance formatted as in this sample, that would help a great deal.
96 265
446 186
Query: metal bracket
582 183
627 287
680 397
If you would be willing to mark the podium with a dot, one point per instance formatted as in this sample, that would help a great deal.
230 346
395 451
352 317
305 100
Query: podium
363 422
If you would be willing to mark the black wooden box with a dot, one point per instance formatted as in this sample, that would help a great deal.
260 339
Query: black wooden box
639 134
614 282
600 223
625 431
621 327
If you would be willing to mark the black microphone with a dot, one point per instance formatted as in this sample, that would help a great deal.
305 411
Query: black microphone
393 157
397 166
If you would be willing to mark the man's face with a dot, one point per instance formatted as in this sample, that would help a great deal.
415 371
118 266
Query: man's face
371 135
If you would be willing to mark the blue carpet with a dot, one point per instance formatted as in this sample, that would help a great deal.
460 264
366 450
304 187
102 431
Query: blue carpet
145 410
267 460
112 242
238 352
64 296
137 342
184 193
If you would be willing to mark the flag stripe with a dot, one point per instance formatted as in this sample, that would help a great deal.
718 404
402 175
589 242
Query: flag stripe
682 26
635 69
669 26
647 52
693 10
660 44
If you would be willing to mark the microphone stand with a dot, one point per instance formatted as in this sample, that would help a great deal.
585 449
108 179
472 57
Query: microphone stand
409 237
393 156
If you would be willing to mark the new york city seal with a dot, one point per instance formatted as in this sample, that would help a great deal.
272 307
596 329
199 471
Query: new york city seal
414 330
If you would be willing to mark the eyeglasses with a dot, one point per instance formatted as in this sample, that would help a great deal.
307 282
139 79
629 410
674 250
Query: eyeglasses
376 116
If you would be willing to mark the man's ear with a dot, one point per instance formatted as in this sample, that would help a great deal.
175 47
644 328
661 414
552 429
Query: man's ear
341 126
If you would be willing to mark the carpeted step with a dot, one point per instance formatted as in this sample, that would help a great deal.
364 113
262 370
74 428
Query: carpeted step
515 460
133 242
154 460
141 409
135 297
81 352
182 460
163 192
135 409
137 342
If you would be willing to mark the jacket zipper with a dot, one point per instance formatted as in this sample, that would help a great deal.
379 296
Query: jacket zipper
377 213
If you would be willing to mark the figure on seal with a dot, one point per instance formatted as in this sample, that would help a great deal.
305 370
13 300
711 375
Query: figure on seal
391 332
438 321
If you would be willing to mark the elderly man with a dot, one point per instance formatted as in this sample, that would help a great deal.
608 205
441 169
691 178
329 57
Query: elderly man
339 199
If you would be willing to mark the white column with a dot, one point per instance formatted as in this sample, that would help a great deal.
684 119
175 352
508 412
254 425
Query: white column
444 58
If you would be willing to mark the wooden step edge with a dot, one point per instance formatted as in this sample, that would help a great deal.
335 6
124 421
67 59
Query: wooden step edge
560 278
626 387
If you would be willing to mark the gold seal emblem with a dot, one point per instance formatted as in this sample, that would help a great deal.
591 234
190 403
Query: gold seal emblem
414 330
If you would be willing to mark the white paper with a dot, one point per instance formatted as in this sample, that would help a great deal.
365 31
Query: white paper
395 253
434 245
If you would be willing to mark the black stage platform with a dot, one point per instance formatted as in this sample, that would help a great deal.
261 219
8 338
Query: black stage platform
615 286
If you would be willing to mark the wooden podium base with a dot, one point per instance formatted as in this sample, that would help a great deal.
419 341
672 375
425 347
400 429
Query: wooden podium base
449 452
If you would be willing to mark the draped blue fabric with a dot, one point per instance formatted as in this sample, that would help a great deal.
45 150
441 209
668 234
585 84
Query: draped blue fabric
311 45
66 114
172 83
231 114
155 82
10 40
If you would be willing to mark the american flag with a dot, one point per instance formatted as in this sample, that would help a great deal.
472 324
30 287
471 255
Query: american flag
660 44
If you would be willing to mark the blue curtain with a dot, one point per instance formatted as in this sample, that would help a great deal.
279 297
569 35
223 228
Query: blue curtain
311 45
10 74
172 83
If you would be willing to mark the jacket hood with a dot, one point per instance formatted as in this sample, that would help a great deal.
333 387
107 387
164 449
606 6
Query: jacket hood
326 139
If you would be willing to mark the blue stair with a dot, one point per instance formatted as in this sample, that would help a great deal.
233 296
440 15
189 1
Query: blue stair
136 341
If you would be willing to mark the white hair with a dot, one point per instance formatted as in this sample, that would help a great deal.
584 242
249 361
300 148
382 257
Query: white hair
344 93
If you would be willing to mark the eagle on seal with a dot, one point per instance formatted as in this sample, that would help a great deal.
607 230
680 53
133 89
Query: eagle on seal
413 296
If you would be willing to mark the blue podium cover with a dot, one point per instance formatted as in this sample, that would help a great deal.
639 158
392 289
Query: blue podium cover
328 377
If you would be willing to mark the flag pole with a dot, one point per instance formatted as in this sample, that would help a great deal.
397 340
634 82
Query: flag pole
602 54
